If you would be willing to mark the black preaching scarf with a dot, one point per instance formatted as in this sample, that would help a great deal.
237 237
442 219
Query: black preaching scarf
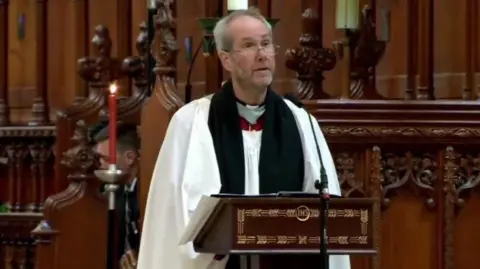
281 166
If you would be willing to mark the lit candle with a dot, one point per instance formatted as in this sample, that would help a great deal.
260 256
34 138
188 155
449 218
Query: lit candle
237 5
347 14
112 124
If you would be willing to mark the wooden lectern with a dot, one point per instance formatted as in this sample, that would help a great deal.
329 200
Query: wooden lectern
284 232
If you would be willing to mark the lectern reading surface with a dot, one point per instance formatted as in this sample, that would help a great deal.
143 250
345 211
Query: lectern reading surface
285 225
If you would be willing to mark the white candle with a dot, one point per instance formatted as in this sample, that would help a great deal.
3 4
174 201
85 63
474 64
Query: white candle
385 22
347 14
237 4
151 4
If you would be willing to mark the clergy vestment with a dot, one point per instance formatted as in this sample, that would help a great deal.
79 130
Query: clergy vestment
205 151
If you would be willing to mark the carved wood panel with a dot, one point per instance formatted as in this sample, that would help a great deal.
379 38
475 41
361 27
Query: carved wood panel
426 169
26 171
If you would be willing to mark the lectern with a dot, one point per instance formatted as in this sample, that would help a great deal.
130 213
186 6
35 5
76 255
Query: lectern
284 232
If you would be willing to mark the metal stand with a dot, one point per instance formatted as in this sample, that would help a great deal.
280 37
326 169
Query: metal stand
188 85
250 262
111 176
322 187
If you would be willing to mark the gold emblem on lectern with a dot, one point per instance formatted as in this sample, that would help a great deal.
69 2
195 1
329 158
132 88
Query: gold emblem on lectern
302 213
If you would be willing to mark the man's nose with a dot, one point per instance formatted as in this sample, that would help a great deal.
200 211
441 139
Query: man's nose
261 55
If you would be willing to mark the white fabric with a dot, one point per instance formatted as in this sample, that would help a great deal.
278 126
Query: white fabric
131 187
175 191
251 148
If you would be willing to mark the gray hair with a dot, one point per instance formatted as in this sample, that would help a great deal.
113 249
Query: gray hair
222 39
127 136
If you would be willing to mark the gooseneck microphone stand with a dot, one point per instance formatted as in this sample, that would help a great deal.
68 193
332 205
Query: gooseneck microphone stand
322 187
188 85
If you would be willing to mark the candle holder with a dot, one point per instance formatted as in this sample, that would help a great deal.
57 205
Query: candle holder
360 50
208 24
112 177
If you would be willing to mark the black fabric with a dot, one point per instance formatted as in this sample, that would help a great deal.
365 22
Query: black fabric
130 197
281 165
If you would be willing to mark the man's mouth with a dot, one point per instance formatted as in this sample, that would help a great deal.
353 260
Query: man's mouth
262 69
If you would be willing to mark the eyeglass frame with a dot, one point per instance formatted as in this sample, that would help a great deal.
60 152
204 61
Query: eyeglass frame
257 49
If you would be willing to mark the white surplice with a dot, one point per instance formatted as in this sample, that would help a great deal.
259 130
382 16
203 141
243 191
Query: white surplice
186 169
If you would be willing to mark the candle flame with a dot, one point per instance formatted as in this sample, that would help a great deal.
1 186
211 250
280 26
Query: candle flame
113 88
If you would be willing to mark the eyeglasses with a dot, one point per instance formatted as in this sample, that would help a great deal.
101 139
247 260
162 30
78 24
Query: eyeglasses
253 49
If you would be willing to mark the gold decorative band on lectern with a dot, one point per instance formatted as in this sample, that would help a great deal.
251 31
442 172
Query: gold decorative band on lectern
288 225
263 219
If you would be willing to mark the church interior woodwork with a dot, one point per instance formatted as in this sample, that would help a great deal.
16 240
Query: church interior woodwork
396 98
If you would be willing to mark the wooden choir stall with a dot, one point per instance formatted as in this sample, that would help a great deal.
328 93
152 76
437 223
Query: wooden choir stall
396 96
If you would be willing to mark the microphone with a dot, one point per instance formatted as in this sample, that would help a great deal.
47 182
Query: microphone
321 185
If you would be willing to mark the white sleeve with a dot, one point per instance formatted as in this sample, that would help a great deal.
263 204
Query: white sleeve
172 196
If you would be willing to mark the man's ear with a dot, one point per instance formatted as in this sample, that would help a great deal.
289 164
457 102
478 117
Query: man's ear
130 157
225 59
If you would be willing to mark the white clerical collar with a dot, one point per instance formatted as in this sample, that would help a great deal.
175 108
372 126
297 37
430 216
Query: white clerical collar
130 187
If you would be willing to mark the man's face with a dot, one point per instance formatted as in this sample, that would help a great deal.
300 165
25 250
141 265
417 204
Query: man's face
125 159
252 59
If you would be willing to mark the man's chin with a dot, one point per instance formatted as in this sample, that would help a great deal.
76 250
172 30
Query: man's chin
263 82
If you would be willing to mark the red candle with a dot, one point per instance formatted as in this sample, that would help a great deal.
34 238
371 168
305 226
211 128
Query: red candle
112 124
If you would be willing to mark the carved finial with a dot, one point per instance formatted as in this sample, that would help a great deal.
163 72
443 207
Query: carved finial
81 158
310 36
310 60
136 66
102 44
367 52
142 40
165 45
164 51
100 69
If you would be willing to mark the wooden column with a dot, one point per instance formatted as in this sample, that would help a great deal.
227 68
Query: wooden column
40 103
425 90
471 16
4 111
81 44
412 24
124 39
263 5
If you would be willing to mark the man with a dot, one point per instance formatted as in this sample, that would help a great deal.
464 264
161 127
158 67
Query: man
245 139
128 145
